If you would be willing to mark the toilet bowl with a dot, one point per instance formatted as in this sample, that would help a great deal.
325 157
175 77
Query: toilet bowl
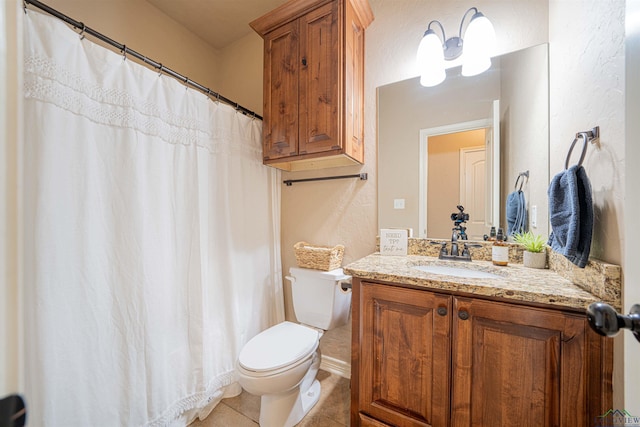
280 364
273 364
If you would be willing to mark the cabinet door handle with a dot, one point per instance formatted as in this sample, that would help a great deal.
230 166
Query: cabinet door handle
442 311
606 321
304 61
464 315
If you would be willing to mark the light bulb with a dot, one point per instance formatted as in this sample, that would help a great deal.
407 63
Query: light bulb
478 46
430 60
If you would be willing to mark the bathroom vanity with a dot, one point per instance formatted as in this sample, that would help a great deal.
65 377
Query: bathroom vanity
455 350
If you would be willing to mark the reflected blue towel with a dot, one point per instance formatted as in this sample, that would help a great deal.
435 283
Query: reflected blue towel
516 213
571 215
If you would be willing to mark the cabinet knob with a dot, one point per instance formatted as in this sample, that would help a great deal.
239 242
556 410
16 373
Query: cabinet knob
304 61
464 315
442 311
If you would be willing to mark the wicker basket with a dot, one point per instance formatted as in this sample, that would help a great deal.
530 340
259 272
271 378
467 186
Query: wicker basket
318 257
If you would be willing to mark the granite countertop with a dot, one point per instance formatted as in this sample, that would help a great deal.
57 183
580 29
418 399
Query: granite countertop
516 282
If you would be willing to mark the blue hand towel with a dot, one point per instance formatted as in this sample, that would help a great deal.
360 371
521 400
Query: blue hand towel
571 215
516 213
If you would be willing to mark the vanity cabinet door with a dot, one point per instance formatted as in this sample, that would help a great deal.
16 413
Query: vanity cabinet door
404 356
524 366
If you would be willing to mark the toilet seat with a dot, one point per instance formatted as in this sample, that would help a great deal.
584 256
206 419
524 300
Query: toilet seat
281 346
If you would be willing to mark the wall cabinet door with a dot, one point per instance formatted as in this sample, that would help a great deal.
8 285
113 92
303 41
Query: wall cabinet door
405 354
319 77
281 65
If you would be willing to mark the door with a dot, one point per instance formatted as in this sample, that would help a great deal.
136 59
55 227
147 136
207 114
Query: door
473 190
319 92
280 123
405 356
515 365
428 220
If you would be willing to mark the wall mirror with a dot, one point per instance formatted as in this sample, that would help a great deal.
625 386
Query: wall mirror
466 141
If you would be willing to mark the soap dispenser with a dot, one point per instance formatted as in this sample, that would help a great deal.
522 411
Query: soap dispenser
500 250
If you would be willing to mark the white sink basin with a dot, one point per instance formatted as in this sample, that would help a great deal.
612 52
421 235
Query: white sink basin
457 272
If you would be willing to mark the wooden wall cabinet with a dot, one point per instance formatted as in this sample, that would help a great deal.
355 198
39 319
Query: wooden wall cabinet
421 358
314 83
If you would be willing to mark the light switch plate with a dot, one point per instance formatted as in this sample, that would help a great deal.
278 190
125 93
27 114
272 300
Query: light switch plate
398 203
534 216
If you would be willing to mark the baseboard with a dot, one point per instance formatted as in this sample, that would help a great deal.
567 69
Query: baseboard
335 366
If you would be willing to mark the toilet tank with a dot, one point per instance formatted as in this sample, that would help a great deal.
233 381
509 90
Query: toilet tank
318 297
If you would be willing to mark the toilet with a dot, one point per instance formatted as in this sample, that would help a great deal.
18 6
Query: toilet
280 364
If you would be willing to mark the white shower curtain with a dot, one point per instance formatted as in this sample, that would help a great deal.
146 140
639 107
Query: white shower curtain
151 241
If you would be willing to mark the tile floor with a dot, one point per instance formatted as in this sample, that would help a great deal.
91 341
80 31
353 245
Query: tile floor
332 410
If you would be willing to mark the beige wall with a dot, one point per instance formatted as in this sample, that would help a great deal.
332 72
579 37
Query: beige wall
240 72
521 132
150 32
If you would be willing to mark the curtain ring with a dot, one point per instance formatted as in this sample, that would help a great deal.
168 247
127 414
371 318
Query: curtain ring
585 139
84 27
124 52
24 6
160 70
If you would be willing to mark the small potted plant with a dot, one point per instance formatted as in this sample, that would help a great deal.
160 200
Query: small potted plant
535 254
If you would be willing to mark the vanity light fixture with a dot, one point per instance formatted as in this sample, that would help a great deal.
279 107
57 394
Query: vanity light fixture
479 43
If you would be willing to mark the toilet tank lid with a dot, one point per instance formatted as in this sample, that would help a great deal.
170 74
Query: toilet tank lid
278 346
336 274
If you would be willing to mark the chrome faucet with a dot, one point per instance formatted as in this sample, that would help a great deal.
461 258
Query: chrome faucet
455 254
454 242
458 232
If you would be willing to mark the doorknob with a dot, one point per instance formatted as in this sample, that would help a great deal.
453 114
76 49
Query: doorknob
606 321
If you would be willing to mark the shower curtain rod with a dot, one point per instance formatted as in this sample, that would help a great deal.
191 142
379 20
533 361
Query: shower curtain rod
128 51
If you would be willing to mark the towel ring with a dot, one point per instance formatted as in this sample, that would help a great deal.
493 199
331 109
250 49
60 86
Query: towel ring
521 175
585 139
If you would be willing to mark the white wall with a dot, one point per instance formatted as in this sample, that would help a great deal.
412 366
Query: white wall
587 89
587 83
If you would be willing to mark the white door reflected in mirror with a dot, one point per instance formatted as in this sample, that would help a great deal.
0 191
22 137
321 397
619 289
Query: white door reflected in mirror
458 166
